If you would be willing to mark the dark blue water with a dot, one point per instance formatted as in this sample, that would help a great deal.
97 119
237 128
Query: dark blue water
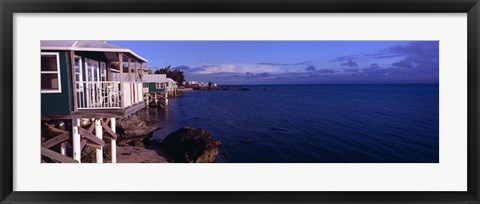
313 123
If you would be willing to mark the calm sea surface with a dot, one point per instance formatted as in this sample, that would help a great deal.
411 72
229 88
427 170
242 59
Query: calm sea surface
312 123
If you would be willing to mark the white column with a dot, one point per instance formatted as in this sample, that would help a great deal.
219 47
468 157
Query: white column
63 148
77 150
148 100
99 134
114 141
166 99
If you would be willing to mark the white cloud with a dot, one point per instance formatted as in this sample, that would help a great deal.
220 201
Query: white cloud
238 68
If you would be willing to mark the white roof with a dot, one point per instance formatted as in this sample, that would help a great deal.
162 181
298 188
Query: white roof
155 78
116 77
171 80
87 45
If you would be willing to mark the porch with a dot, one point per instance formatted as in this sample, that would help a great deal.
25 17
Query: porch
108 95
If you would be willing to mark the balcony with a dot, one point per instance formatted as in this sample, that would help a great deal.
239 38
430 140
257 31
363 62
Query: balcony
106 99
105 95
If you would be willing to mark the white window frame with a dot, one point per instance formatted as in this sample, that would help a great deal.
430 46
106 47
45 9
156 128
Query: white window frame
80 73
57 55
158 85
103 73
97 71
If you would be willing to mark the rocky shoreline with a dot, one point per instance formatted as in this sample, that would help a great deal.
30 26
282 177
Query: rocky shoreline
135 144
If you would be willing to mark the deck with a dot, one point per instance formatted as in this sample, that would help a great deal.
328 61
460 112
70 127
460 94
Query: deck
98 113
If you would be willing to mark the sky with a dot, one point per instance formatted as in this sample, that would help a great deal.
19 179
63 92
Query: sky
294 62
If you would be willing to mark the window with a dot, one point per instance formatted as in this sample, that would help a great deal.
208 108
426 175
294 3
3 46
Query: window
103 71
50 73
145 85
159 85
93 70
78 73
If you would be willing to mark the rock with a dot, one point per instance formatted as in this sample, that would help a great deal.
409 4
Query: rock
191 145
133 131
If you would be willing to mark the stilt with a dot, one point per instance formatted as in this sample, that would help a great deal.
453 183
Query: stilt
166 99
114 141
77 150
63 148
99 134
148 100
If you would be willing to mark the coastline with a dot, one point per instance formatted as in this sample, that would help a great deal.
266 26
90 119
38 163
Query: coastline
185 145
141 155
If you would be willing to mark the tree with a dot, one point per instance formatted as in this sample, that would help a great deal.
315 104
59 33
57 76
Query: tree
174 74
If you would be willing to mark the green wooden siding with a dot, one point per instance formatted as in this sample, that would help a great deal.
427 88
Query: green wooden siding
59 103
152 88
62 103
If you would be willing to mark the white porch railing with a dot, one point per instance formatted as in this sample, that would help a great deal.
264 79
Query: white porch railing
106 95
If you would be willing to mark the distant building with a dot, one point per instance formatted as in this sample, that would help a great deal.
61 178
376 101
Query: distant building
203 84
192 82
153 83
171 86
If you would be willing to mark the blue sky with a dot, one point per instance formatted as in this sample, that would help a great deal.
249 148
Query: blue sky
295 62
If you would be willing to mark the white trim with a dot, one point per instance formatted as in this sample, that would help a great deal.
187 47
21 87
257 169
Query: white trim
87 91
97 70
95 50
75 43
159 85
80 68
103 74
59 81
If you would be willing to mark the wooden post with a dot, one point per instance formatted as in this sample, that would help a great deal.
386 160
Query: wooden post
141 73
148 100
109 71
120 59
77 150
74 79
99 134
114 141
129 70
136 71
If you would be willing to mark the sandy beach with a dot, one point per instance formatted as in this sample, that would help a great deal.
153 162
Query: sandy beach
139 155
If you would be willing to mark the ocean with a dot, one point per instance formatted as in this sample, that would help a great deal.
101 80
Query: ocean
380 123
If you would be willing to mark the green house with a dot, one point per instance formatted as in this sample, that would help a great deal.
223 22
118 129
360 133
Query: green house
155 83
76 80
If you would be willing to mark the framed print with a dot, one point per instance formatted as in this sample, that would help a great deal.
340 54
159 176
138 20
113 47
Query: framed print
256 102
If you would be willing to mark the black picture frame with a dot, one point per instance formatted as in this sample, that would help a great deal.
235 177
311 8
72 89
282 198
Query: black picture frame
10 7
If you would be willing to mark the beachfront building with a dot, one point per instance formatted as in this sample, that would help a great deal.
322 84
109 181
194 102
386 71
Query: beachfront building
192 82
155 83
157 88
171 87
77 84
